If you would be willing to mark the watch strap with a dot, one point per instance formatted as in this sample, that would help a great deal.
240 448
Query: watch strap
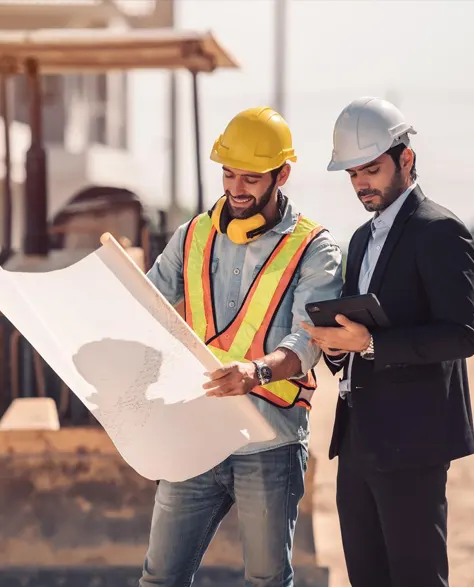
369 353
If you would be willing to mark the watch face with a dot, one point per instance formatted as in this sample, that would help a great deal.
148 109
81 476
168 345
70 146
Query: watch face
266 373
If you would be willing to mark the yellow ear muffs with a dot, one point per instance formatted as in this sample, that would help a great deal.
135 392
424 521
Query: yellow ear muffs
239 231
217 215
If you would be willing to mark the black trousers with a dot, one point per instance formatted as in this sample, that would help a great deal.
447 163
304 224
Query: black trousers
393 524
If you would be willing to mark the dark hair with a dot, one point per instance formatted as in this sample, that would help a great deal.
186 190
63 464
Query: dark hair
395 153
275 172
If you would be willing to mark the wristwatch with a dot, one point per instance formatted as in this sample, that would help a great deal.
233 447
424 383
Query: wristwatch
263 372
369 353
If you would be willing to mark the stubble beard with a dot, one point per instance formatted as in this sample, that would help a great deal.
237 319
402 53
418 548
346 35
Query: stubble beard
389 195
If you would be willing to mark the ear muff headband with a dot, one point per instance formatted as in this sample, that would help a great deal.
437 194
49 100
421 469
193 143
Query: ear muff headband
240 230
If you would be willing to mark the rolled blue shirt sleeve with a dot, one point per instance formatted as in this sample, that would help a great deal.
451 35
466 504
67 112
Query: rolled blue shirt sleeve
167 271
320 279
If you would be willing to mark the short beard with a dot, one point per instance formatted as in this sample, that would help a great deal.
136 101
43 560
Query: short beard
255 208
389 195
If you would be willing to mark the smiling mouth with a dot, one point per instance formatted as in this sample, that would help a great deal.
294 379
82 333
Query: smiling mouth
241 200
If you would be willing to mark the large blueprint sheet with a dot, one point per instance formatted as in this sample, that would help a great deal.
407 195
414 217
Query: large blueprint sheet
134 363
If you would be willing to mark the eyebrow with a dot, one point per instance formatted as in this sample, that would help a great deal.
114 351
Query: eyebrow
371 164
254 175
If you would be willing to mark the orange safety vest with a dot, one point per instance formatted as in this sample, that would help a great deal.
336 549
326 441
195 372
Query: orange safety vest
243 339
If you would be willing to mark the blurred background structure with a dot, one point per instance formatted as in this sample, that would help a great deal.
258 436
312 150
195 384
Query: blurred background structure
108 111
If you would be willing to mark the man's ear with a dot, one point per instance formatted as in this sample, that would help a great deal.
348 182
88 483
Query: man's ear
407 159
283 175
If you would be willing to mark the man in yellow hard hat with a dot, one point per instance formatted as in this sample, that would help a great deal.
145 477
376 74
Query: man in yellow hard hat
246 270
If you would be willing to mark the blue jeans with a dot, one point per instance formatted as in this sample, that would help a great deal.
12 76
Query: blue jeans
266 488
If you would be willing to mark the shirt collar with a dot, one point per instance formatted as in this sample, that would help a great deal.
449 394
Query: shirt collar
387 216
288 223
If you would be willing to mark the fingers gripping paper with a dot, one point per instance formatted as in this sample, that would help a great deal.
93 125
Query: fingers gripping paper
135 364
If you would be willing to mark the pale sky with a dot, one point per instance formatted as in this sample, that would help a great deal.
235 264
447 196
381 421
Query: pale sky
421 53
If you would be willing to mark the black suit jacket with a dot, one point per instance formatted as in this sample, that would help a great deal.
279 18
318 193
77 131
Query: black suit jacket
411 405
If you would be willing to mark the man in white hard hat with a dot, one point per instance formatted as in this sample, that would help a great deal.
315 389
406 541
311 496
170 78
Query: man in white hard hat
404 411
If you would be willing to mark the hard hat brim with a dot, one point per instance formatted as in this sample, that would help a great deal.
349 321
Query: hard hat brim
245 165
343 165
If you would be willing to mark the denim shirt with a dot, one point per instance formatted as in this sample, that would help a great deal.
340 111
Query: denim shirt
234 267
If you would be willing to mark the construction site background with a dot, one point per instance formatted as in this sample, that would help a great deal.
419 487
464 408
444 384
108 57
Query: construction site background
124 155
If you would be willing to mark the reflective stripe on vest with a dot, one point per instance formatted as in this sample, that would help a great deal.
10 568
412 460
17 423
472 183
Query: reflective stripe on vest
244 338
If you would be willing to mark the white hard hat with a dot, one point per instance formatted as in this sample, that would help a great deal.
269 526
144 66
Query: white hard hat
366 129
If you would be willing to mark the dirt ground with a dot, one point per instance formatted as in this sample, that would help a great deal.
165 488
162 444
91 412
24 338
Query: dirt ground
326 526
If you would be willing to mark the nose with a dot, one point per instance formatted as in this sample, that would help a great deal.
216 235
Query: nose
361 183
239 185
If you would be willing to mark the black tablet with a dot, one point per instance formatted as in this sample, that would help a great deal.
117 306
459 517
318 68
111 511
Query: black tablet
364 309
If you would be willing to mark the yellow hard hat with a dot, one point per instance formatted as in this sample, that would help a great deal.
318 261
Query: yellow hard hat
257 139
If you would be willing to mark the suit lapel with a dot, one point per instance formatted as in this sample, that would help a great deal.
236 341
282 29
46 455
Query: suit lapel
358 248
406 211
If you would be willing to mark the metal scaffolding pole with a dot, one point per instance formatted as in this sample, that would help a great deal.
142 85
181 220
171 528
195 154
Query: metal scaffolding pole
7 183
280 53
197 136
36 225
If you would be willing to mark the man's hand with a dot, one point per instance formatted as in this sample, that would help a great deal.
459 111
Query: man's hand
232 379
352 337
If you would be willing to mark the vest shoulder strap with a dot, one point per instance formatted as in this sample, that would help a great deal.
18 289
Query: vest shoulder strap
309 226
196 271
